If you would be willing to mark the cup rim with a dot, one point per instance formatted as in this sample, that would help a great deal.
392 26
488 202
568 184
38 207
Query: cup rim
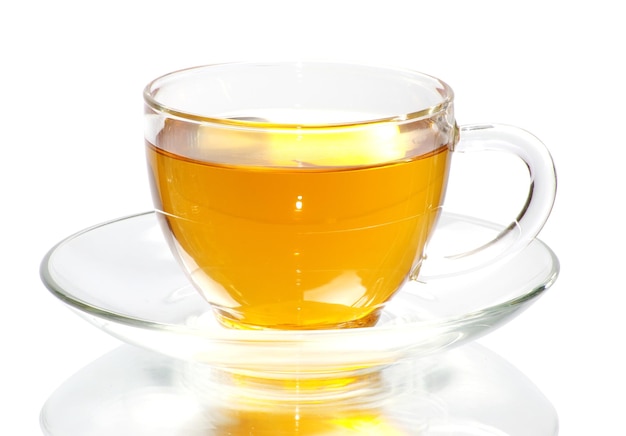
446 92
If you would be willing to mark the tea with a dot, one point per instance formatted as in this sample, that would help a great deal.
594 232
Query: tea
297 244
325 423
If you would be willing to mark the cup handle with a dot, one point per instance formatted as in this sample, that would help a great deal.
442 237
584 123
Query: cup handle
534 213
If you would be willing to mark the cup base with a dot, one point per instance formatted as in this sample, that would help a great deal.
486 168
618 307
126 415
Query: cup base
227 320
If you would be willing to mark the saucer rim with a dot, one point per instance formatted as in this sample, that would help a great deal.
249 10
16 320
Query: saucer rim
262 335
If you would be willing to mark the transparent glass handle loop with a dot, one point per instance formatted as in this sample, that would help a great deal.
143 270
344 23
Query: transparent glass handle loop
534 213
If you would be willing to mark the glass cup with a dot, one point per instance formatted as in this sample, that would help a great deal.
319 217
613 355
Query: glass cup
302 195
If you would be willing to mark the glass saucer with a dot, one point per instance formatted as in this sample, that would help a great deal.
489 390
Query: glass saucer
121 277
467 391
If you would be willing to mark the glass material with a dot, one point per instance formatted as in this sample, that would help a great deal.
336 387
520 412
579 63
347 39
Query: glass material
301 195
121 277
468 391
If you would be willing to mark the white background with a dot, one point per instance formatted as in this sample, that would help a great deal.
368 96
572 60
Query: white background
72 155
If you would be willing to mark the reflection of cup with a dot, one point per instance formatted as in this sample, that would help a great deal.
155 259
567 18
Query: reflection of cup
302 195
371 401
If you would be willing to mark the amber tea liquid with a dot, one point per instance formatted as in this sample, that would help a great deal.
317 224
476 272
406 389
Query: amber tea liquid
300 246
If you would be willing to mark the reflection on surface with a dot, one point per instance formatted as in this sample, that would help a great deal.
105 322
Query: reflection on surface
467 391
